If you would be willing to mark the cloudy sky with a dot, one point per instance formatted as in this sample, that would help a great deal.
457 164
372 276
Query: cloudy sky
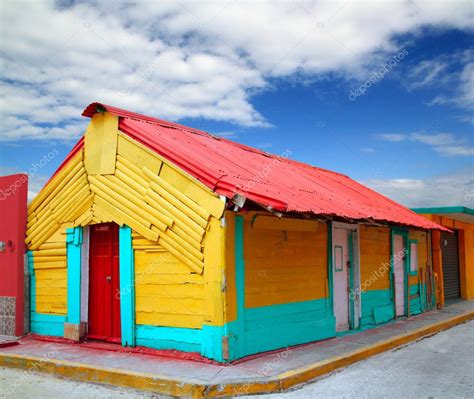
381 91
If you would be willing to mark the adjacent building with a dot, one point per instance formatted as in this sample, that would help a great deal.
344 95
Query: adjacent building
453 252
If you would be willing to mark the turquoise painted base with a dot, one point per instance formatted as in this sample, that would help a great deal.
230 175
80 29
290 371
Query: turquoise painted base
377 307
46 324
279 326
265 328
183 339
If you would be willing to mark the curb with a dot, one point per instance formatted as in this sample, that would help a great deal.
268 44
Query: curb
190 388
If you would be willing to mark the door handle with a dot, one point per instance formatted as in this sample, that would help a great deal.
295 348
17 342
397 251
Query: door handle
109 279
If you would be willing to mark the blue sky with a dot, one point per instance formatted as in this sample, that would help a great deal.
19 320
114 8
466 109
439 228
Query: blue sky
409 136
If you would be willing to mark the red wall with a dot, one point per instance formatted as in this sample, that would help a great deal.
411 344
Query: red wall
13 213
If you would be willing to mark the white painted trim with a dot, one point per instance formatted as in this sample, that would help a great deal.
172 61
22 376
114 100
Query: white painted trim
85 274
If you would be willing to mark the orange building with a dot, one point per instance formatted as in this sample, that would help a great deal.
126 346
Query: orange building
453 253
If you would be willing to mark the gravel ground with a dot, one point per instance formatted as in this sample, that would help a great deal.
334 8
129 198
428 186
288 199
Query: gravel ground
441 366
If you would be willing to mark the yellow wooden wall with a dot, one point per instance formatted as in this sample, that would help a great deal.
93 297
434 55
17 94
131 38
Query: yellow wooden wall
374 253
174 219
168 293
51 274
285 260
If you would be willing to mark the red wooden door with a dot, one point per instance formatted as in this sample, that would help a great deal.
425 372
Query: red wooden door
104 283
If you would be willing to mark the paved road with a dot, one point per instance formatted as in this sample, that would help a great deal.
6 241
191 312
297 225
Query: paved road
438 367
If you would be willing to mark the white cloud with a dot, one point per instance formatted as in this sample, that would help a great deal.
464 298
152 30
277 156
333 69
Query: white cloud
186 59
454 73
443 143
450 190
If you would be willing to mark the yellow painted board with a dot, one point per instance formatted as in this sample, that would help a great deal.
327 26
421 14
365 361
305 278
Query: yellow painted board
180 252
167 279
181 180
184 306
83 202
58 264
77 182
137 154
193 189
274 223
117 195
173 236
187 205
52 245
169 320
161 263
85 218
116 202
189 217
126 219
59 275
36 241
139 200
181 220
56 182
170 291
50 252
100 144
214 258
132 171
193 265
131 182
43 259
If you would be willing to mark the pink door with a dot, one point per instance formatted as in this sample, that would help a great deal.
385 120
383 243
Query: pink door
399 274
340 260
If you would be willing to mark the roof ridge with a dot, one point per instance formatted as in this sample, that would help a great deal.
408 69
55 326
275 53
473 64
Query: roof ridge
95 107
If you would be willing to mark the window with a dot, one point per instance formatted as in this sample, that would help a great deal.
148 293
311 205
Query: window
338 261
413 257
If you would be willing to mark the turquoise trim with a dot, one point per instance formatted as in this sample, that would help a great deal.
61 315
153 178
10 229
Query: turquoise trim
127 286
239 341
377 307
444 209
74 244
416 304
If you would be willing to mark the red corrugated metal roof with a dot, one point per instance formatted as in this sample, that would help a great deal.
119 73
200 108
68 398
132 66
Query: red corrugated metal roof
282 184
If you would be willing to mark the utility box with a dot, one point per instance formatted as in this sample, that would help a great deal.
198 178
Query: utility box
13 214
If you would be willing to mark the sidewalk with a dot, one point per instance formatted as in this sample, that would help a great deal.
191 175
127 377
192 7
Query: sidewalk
274 372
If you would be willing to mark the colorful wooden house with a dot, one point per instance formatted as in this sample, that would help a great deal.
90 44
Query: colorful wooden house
453 251
159 235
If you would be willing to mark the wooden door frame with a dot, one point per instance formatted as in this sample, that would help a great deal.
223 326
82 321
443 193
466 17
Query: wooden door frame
403 232
355 268
78 280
